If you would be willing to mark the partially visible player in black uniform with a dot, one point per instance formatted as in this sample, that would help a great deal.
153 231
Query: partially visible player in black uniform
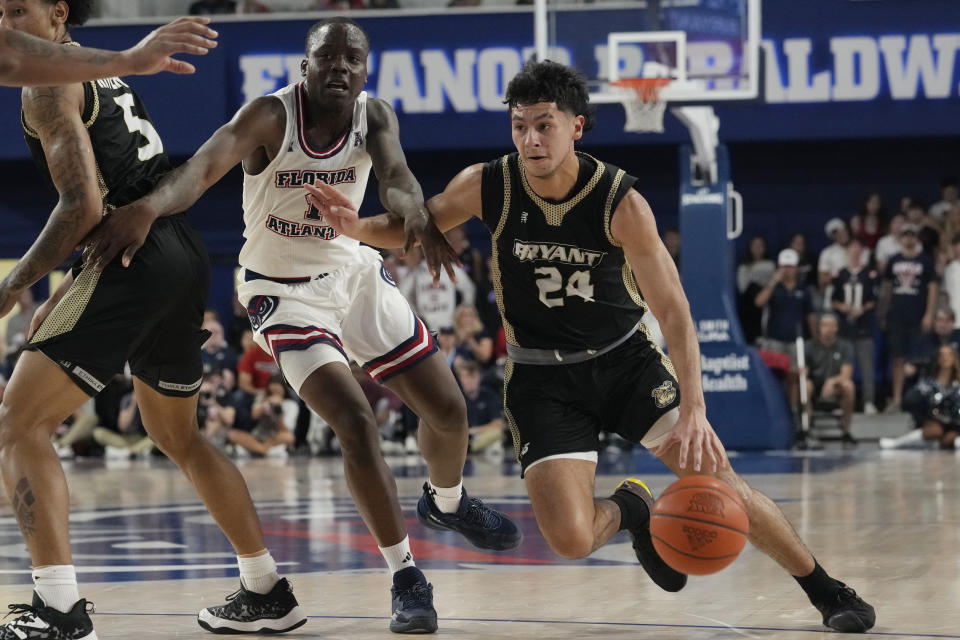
98 146
574 245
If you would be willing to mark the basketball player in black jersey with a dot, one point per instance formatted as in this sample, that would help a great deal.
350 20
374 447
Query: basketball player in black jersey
26 60
97 145
574 244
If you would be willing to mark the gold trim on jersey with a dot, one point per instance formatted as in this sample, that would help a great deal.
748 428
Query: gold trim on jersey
630 284
664 360
555 213
64 316
511 422
96 106
495 236
608 207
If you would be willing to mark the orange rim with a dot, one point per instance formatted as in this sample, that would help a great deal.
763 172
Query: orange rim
647 89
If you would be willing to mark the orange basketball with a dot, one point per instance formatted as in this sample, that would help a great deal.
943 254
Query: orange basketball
699 525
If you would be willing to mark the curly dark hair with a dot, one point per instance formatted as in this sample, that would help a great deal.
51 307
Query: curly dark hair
550 81
315 29
80 11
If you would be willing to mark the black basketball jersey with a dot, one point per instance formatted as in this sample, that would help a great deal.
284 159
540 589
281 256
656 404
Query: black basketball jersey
127 148
560 278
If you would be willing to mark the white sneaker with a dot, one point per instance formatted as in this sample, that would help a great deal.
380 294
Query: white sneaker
116 453
279 452
869 409
889 443
65 452
410 444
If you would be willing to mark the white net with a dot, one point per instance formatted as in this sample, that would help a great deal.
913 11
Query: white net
645 110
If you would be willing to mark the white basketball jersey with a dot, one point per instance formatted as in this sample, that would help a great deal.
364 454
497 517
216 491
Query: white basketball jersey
285 236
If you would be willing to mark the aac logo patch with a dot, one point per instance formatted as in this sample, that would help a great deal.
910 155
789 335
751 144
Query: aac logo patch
261 308
386 275
664 394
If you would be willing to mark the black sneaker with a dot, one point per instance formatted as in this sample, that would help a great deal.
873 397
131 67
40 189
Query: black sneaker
848 441
847 612
251 612
660 572
484 527
412 606
37 621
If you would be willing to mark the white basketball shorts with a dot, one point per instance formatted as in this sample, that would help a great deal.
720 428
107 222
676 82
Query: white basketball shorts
352 313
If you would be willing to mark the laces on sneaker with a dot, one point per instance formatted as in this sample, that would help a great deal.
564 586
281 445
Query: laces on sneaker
417 593
23 610
482 514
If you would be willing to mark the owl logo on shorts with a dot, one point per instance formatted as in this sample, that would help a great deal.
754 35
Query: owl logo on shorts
664 394
261 308
386 275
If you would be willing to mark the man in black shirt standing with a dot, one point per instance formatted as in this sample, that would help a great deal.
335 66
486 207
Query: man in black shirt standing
909 299
855 299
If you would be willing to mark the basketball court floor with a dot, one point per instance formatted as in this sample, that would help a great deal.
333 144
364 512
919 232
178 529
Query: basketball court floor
150 556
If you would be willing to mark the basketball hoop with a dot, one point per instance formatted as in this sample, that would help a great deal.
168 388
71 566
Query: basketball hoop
645 109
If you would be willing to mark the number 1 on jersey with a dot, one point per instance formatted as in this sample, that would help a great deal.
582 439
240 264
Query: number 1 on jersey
550 281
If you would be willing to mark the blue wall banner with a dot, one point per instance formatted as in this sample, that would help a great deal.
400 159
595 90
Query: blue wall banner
873 69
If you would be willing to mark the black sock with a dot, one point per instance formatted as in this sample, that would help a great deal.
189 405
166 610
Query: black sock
634 512
818 586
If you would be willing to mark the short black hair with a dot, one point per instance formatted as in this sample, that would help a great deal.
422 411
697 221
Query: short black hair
80 11
315 29
550 81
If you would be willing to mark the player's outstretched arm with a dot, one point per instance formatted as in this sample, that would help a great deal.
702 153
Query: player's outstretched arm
54 113
634 228
27 60
458 202
400 192
257 125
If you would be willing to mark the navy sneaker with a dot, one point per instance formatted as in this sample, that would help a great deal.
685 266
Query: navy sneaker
847 612
40 622
484 527
412 606
660 572
251 612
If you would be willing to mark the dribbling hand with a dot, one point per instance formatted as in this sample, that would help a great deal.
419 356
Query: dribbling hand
694 435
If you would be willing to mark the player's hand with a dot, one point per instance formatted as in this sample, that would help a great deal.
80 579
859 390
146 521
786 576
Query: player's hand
335 207
436 249
124 229
927 323
185 35
8 298
696 438
39 315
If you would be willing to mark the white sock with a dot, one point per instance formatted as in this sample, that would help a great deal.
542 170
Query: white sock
398 556
57 586
447 500
258 574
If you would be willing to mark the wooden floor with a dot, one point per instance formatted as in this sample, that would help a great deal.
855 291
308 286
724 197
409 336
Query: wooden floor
150 556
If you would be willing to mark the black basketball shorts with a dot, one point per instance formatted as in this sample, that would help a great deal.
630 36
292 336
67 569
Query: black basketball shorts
560 409
149 314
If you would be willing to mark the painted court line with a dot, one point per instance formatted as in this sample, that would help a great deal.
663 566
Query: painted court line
888 634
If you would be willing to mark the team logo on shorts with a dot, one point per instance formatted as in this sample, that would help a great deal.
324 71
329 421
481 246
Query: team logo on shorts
261 308
385 274
664 394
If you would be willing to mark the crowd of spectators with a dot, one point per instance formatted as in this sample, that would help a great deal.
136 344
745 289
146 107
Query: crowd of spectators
875 312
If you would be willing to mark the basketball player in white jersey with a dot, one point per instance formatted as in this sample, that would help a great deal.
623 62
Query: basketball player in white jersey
317 300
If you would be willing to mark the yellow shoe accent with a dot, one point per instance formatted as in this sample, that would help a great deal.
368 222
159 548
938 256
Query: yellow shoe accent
636 481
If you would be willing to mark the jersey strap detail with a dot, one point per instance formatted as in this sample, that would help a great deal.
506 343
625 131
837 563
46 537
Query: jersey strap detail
608 207
495 268
330 151
555 212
